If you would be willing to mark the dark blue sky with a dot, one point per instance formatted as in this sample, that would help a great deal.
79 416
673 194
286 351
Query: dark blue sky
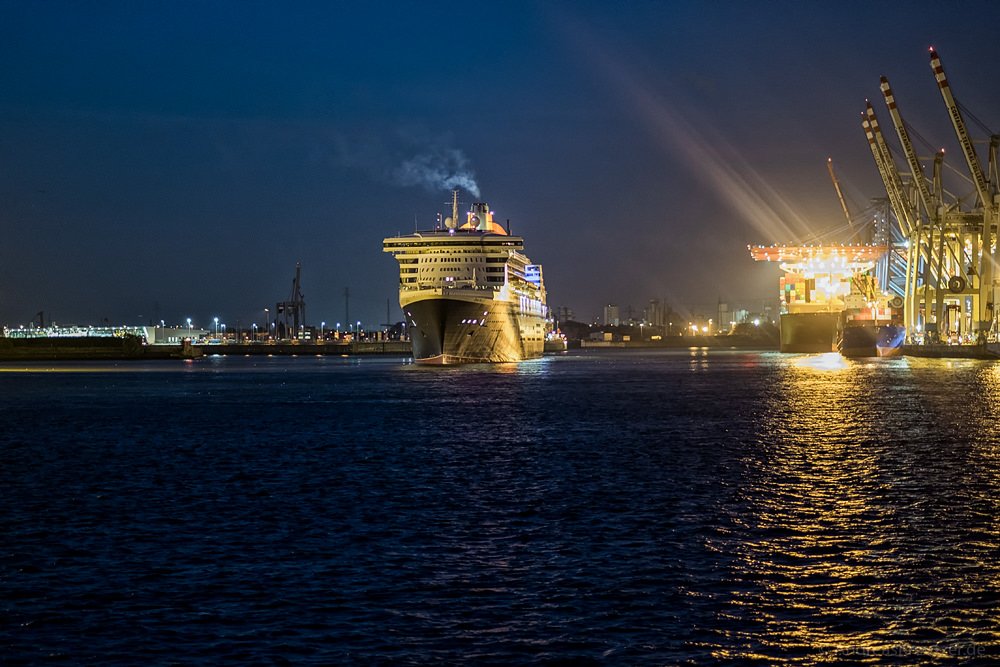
176 160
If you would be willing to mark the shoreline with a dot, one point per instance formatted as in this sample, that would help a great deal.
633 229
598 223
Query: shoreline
124 349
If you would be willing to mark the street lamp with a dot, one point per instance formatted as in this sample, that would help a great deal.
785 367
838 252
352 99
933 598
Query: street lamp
254 327
321 326
358 330
216 327
223 331
189 327
267 321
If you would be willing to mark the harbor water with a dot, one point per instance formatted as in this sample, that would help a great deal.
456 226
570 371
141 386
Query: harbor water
603 507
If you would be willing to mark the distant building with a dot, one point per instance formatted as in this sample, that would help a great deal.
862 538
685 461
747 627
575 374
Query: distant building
612 316
724 321
656 313
563 314
173 335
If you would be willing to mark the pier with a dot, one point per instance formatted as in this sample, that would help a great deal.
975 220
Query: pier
130 348
287 348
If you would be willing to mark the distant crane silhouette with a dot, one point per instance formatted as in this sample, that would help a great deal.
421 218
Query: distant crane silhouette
293 311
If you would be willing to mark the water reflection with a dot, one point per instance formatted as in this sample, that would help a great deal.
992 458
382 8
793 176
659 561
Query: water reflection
699 358
831 361
854 542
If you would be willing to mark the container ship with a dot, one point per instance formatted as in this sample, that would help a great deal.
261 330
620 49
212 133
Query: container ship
830 301
468 293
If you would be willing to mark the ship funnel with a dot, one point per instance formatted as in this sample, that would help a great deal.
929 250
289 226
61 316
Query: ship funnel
480 216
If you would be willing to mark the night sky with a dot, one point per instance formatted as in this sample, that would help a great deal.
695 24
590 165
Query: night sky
176 159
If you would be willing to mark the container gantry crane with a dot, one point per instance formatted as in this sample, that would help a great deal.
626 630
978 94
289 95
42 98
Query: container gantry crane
988 200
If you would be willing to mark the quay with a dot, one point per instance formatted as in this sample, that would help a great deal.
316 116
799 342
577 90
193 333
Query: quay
343 349
941 351
95 348
721 342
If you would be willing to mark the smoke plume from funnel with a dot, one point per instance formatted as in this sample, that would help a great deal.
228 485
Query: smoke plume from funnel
438 169
407 158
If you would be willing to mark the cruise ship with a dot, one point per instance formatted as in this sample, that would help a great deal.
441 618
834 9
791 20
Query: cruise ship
468 293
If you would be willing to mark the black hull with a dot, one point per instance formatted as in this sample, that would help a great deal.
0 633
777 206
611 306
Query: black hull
872 340
858 341
454 331
809 332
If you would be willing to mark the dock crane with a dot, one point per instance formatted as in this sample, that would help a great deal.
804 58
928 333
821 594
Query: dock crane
950 241
925 247
904 214
988 199
295 308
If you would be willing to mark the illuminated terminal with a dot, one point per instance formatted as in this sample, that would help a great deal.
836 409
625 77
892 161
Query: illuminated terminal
819 284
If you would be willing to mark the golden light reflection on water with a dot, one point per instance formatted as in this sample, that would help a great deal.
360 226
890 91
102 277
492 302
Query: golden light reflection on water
831 361
857 541
699 358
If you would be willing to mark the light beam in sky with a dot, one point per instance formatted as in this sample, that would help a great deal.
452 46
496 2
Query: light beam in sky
708 156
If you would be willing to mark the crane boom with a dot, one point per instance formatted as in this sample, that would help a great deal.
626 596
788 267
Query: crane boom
982 188
894 184
901 216
906 216
930 206
840 193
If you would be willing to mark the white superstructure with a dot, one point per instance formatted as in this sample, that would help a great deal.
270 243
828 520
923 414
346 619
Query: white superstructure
468 292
